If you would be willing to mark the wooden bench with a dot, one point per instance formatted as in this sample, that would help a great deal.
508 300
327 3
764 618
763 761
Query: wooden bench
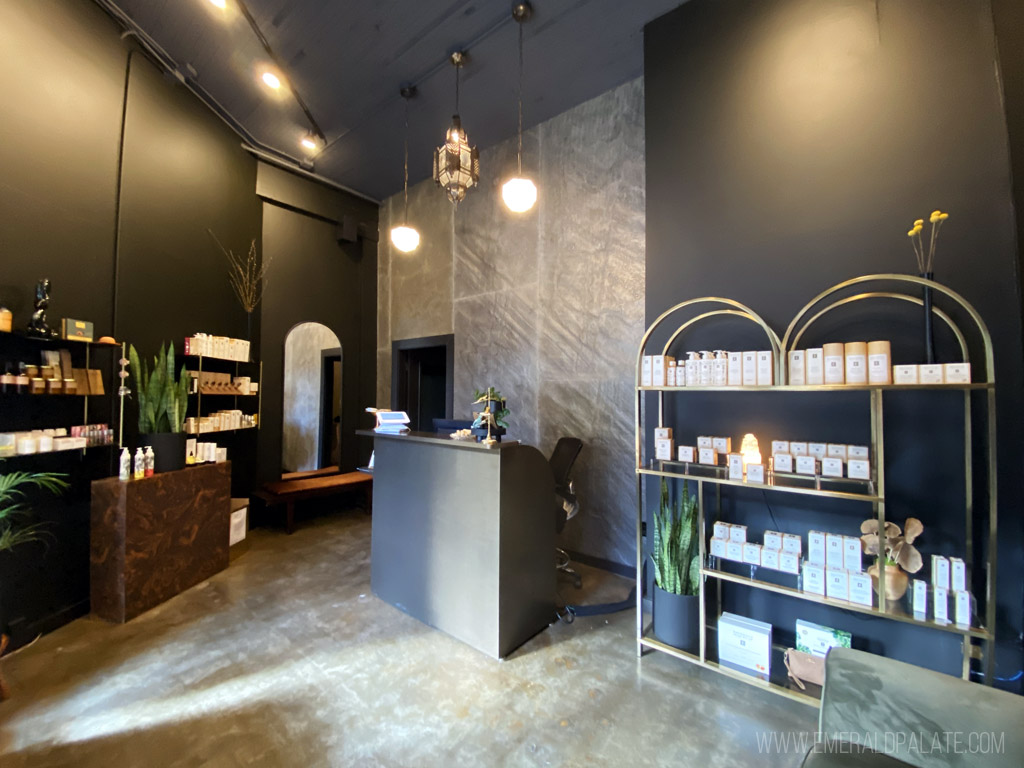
313 487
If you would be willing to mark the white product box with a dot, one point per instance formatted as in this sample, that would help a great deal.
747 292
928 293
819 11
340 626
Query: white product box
851 554
834 551
734 376
817 450
765 369
704 442
738 533
806 465
860 589
835 451
238 526
957 574
750 369
858 469
745 644
931 374
815 366
734 551
663 449
772 540
719 547
797 368
816 547
920 598
789 562
721 530
814 579
957 373
940 572
817 640
782 462
735 462
798 449
755 473
837 584
686 453
792 543
222 455
780 446
659 363
831 467
905 374
962 608
646 372
752 553
707 456
722 444
663 433
770 558
940 607
857 452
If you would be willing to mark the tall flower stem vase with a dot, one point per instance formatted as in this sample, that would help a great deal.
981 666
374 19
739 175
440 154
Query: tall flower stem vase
929 336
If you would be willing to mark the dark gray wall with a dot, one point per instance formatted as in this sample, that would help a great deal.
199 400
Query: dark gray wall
790 143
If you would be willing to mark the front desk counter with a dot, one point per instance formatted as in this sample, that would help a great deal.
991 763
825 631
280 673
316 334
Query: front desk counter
464 537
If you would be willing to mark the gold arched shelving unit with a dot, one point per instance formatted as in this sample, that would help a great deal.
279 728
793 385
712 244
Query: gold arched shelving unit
868 290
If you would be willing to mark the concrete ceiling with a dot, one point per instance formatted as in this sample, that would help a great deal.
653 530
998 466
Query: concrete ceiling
347 61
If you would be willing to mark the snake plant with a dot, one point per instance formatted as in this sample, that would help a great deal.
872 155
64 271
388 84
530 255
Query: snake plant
163 400
675 547
13 508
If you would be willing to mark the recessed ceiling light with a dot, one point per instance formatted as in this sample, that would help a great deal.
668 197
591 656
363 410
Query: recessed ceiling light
222 4
272 80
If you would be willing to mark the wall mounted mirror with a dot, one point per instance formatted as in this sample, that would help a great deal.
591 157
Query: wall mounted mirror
311 431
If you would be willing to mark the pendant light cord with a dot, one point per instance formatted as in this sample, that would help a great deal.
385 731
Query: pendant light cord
520 154
457 68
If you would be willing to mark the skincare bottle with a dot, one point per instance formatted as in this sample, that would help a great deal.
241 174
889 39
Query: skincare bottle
140 464
707 362
670 374
126 466
150 461
6 380
692 376
720 369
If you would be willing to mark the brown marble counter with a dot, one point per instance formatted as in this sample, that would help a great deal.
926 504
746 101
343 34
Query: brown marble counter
153 538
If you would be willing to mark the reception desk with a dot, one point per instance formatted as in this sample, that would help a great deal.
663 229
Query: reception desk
463 537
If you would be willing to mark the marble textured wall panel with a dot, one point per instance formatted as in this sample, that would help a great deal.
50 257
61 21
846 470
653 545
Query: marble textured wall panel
546 306
300 436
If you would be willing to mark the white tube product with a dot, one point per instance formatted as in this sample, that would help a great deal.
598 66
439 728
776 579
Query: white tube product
835 369
879 362
856 356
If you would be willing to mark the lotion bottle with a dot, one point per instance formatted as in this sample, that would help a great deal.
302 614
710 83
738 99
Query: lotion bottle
140 464
150 461
126 466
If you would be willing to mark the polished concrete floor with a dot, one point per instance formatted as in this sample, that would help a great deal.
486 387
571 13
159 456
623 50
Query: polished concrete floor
287 659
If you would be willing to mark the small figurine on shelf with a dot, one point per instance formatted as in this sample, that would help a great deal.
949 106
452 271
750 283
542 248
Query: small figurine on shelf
37 325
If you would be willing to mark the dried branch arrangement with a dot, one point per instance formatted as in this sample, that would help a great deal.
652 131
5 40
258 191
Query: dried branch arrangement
926 254
246 275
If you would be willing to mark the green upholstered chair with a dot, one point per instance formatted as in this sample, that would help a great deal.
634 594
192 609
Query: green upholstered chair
910 716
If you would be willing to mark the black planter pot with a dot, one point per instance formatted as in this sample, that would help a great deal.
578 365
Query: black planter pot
677 619
168 448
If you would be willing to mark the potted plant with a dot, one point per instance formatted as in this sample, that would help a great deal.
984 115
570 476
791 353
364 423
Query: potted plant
163 401
901 556
489 423
676 561
13 531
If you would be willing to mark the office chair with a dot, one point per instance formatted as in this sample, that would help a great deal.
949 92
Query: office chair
566 507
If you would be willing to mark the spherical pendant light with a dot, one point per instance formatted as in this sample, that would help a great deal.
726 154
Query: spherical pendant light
520 193
405 239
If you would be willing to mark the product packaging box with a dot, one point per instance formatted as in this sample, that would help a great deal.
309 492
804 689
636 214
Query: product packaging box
962 608
76 330
831 467
817 450
814 579
792 543
957 574
816 639
940 572
663 449
755 473
745 644
857 452
806 465
920 598
815 364
816 547
738 533
750 369
734 551
735 463
704 442
861 591
858 469
770 558
772 540
940 597
663 433
834 550
734 377
646 372
835 451
837 584
659 369
722 444
721 530
905 374
789 562
798 449
707 456
765 369
931 374
782 462
852 553
718 547
687 453
957 373
752 553
780 446
797 368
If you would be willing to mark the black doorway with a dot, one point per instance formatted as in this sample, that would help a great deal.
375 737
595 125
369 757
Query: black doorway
330 407
422 380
